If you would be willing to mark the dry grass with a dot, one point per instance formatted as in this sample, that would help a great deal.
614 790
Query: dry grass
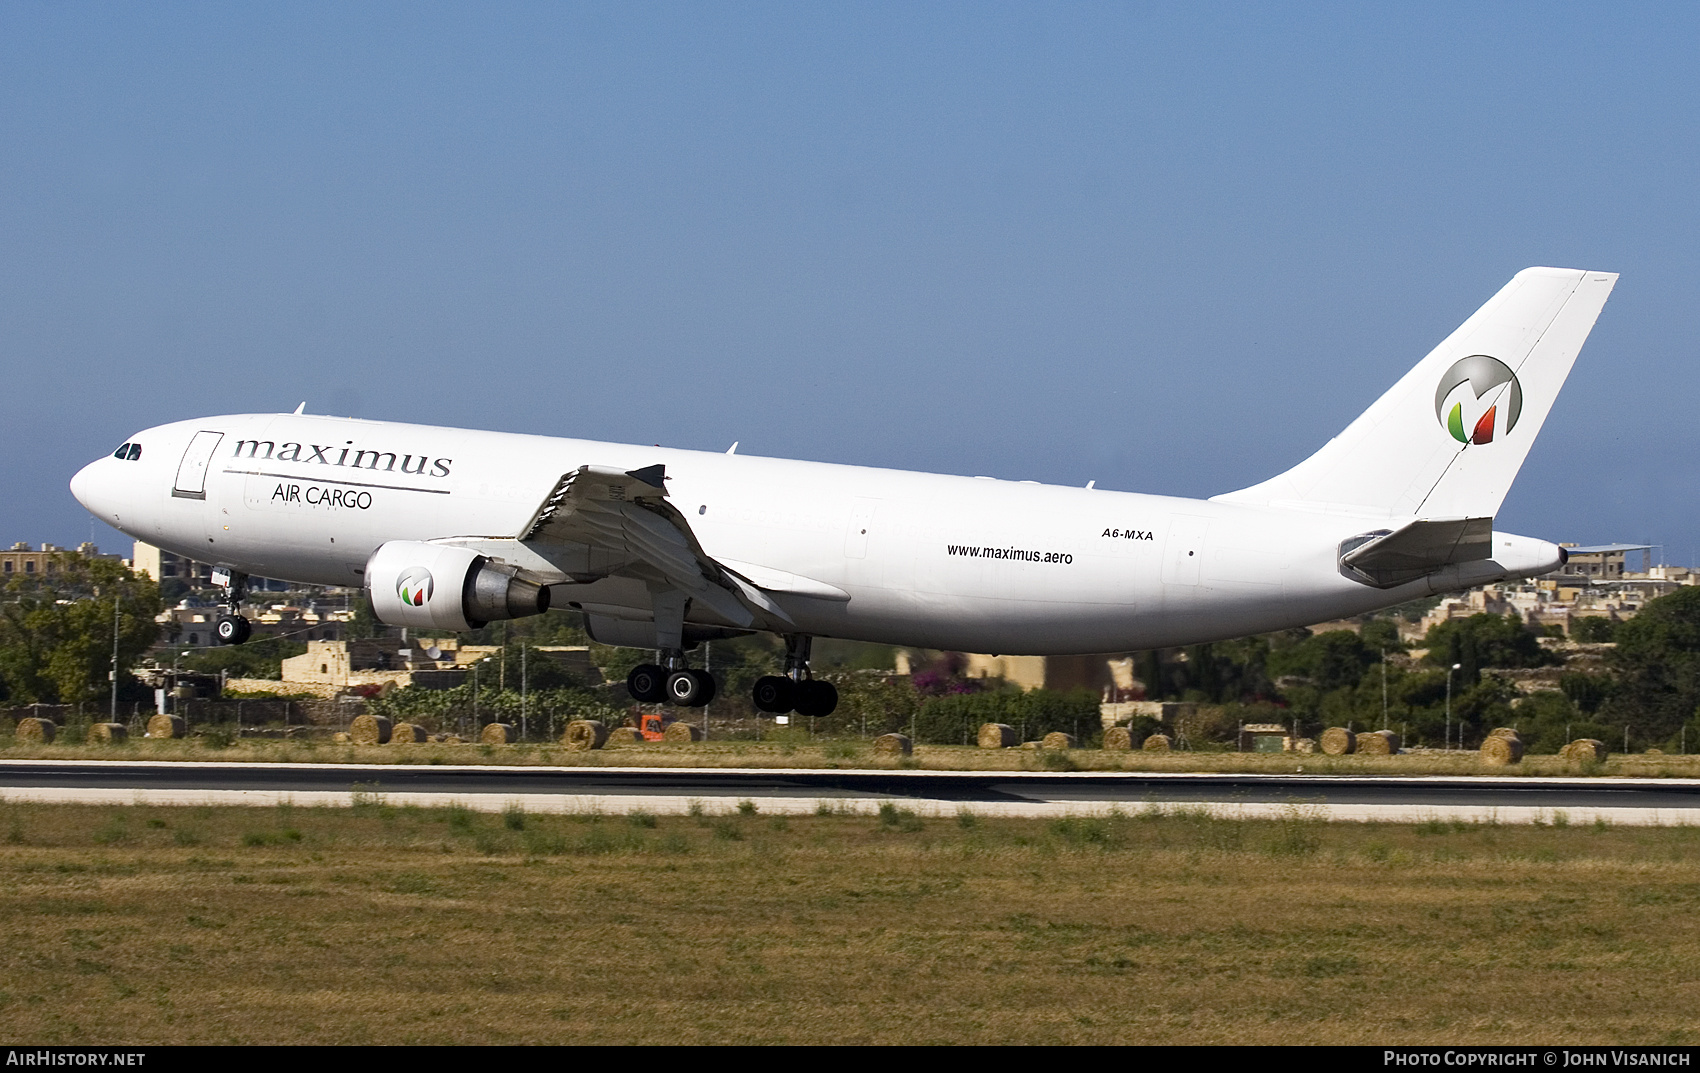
393 925
841 754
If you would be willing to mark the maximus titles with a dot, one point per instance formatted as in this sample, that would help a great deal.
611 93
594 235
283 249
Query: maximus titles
378 461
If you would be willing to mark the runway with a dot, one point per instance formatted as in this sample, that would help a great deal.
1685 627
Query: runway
800 791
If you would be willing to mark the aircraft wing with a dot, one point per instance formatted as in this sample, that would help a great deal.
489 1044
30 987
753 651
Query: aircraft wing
602 522
1389 558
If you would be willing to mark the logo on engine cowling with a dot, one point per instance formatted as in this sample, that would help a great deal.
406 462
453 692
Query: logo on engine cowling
414 587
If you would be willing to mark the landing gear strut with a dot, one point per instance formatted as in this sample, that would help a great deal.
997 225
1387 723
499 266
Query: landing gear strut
231 628
796 691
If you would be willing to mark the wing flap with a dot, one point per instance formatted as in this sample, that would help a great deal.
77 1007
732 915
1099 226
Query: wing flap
623 520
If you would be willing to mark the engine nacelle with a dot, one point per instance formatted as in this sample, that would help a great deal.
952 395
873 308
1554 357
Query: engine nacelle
441 587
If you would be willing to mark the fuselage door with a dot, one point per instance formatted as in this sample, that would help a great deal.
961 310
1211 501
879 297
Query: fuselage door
856 534
192 471
1184 553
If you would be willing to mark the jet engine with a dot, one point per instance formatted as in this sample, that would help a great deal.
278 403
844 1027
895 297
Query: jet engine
442 587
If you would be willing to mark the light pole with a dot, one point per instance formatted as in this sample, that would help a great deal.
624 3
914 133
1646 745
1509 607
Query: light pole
474 731
115 603
1448 732
1384 689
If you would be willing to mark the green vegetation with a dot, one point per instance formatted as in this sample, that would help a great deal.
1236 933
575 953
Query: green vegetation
1656 667
56 631
955 718
396 925
260 658
1649 684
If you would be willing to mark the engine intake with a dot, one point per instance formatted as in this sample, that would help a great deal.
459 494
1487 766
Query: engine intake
441 587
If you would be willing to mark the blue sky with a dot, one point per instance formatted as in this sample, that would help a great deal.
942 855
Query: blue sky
1169 248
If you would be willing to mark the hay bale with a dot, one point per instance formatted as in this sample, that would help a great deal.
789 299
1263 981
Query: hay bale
341 737
1338 741
1056 739
584 734
1502 750
109 732
31 728
893 745
681 733
499 734
1378 743
624 736
1504 732
408 734
1118 739
998 736
1585 750
168 726
1305 746
1156 743
369 730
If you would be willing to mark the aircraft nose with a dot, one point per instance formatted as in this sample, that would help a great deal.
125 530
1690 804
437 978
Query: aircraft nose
87 487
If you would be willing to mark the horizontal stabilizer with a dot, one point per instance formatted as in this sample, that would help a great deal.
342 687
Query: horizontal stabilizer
1387 558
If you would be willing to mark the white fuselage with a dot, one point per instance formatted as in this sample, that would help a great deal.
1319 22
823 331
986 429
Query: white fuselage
964 563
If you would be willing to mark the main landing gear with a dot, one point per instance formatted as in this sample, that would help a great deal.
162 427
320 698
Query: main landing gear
795 691
676 684
670 681
231 628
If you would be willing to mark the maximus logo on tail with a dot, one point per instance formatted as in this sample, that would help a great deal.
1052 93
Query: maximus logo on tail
1481 374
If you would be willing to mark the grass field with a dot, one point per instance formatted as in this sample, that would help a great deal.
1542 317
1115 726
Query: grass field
801 753
378 924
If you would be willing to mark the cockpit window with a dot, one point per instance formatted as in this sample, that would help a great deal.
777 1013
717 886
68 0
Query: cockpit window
135 451
128 452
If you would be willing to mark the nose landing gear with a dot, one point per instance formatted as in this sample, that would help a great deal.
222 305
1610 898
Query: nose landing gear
231 628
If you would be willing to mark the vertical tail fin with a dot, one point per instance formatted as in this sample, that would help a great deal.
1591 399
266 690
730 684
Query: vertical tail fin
1447 440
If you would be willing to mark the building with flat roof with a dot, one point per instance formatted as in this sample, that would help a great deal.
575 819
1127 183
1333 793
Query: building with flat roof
160 565
1601 562
22 560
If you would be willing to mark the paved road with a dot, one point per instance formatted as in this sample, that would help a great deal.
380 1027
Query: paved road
1015 793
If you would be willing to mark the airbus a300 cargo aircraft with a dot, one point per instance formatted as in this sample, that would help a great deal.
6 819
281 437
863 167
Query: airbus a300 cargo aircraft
448 529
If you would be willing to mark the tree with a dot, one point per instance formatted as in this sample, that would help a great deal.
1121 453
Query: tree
1657 663
56 629
1592 628
1548 721
260 658
1333 660
1484 641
